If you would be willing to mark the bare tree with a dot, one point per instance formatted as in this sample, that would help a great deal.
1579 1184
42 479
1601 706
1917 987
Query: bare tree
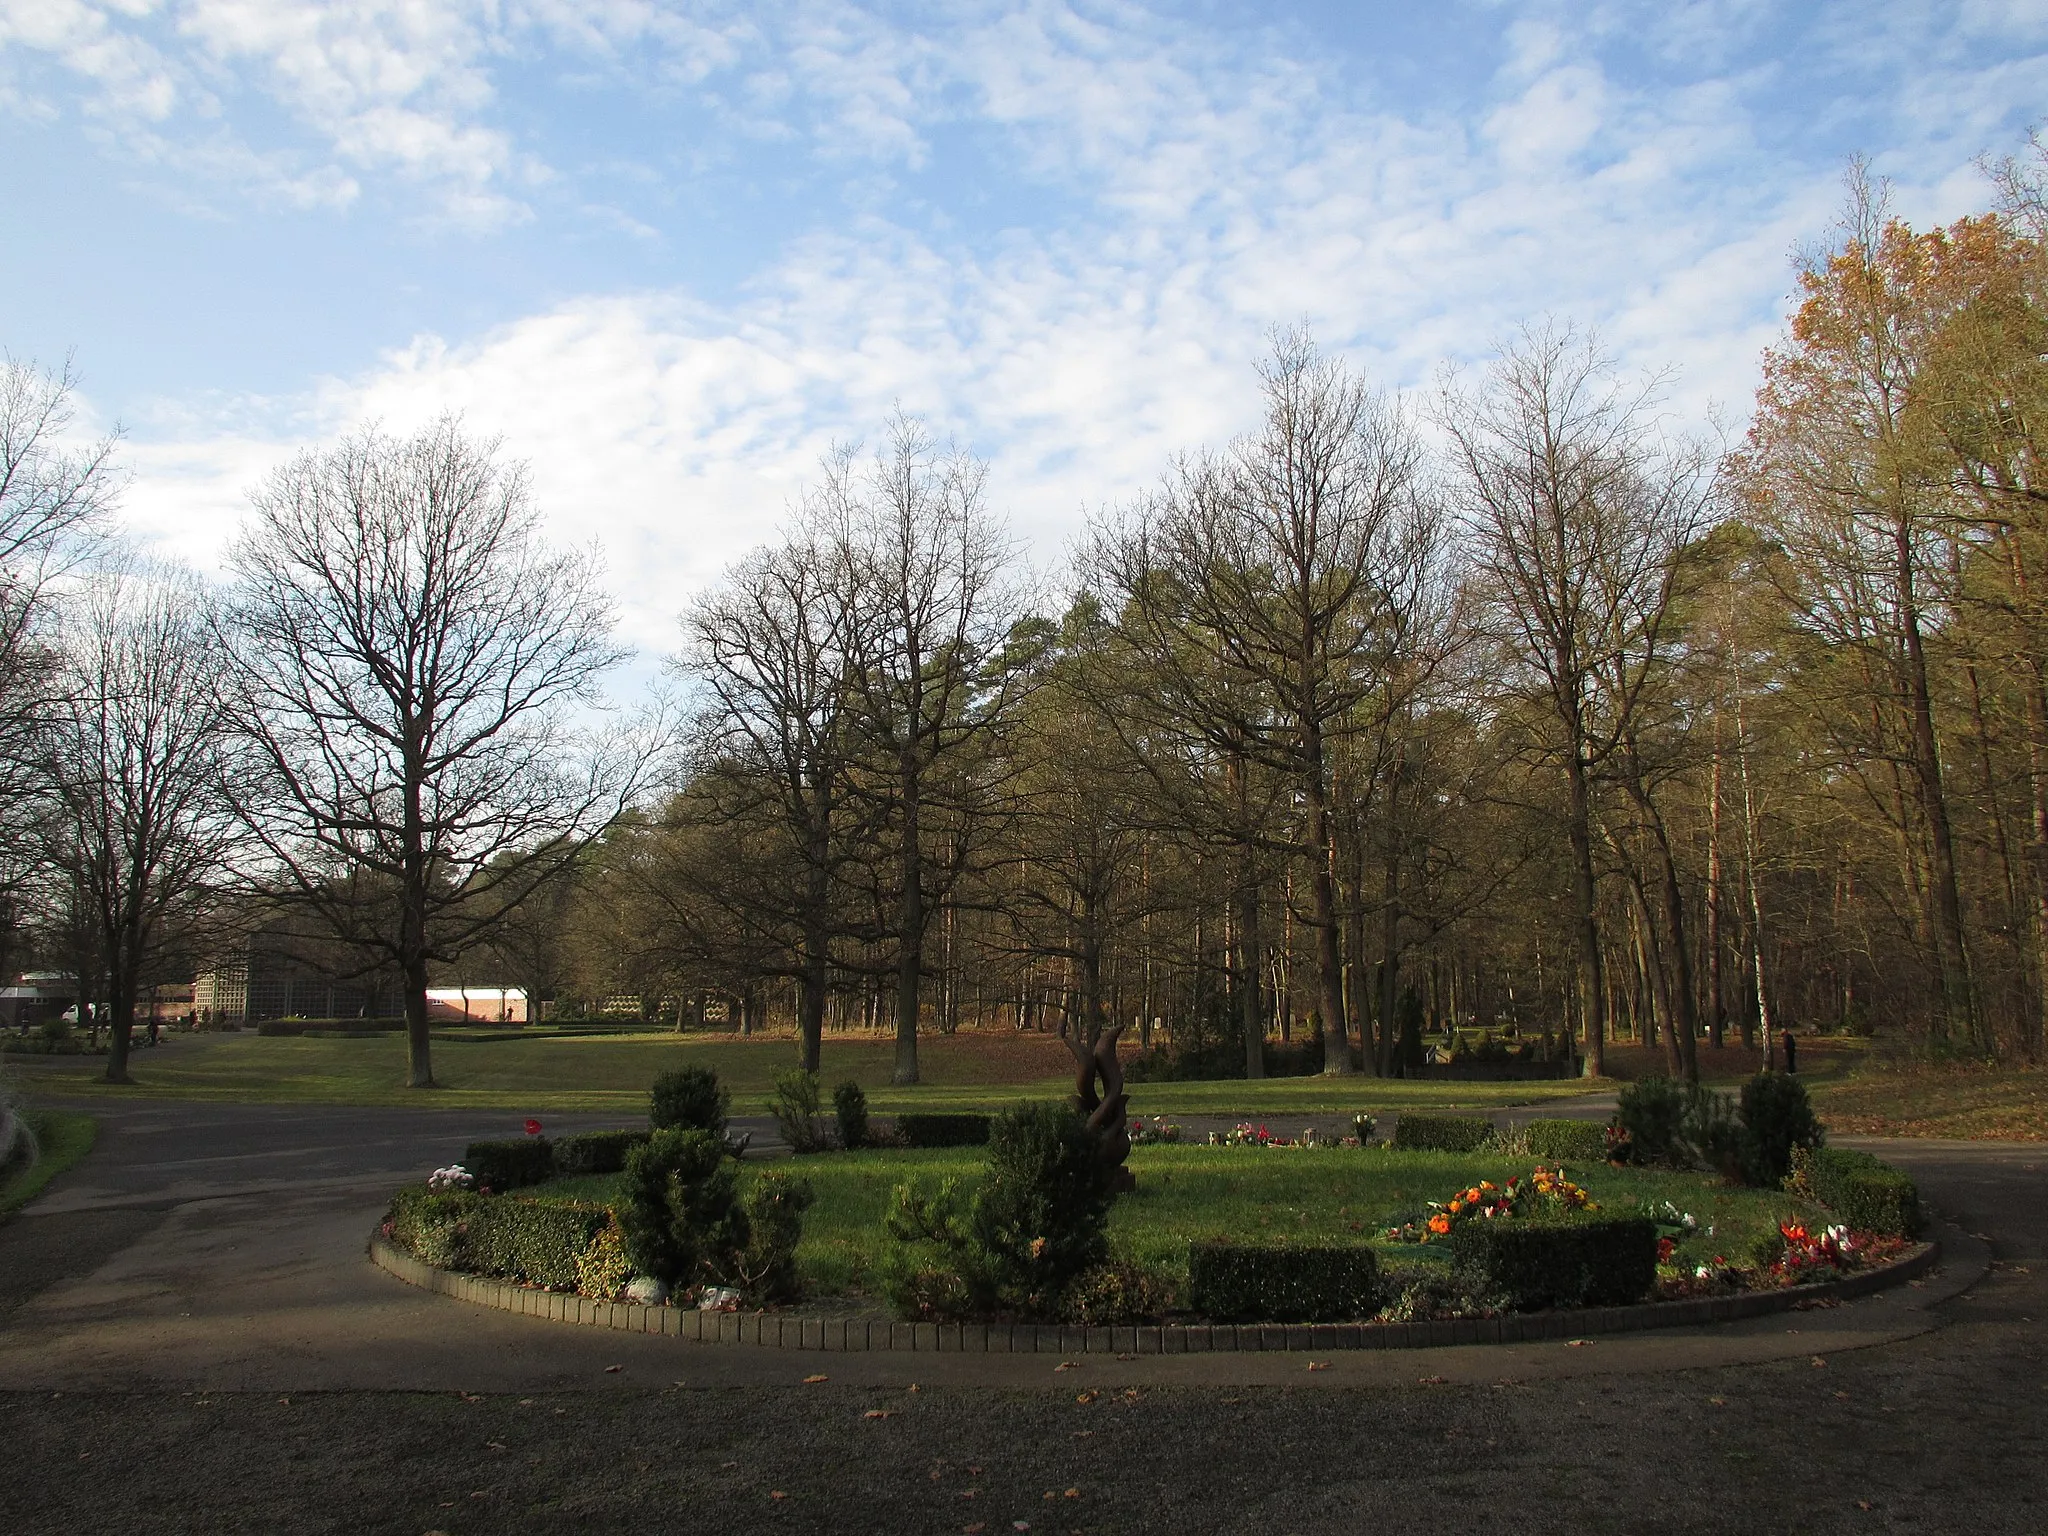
910 534
769 647
1273 590
409 661
1577 512
132 747
54 501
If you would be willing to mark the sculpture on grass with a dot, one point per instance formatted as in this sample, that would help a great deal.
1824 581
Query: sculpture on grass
1104 1111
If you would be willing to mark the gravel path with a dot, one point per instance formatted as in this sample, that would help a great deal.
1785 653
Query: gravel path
191 1341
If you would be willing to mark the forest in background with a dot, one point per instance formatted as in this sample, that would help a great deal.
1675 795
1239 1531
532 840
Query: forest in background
1514 709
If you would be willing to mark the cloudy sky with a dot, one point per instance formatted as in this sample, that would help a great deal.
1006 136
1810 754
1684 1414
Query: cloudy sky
673 250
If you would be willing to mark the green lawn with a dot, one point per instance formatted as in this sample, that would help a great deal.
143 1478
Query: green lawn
64 1138
1188 1192
611 1074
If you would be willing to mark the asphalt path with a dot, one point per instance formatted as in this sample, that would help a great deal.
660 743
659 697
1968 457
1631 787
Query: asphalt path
191 1340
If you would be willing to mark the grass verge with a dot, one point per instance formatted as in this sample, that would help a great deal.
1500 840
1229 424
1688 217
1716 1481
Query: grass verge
1961 1103
612 1073
65 1136
1343 1195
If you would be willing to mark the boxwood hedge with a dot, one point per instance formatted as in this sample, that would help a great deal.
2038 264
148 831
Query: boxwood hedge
1589 1261
1281 1283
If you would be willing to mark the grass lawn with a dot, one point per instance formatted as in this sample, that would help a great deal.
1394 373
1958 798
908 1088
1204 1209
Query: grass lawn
64 1137
1968 1104
1344 1195
611 1073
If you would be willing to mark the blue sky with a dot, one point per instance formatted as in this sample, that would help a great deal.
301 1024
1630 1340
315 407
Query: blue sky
672 251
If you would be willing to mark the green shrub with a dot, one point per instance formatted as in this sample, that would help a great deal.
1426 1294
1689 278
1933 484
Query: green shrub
1441 1133
1567 1141
1034 1225
1118 1290
591 1152
1590 1261
796 1110
1651 1114
1668 1124
679 1207
529 1240
1868 1196
1043 1206
1776 1120
1257 1282
942 1130
428 1225
689 1099
764 1264
850 1106
604 1269
503 1165
497 1235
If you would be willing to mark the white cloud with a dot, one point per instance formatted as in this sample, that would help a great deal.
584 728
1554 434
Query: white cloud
1217 189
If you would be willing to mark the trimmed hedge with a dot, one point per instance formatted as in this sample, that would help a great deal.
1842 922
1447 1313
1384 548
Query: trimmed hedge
1441 1133
1869 1196
507 1165
1597 1261
1263 1282
496 1235
943 1130
1568 1141
596 1151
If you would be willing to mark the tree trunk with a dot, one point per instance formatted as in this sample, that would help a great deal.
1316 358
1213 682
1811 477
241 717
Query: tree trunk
910 926
1323 897
1585 895
1959 1012
121 991
1717 1001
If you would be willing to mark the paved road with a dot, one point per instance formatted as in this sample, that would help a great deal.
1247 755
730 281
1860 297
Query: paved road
191 1340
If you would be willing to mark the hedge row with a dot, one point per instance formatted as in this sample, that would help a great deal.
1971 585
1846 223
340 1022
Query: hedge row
1441 1133
493 1235
1269 1283
1869 1196
1568 1141
1598 1261
507 1165
943 1130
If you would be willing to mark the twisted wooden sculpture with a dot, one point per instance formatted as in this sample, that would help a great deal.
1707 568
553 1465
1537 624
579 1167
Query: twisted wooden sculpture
1104 1110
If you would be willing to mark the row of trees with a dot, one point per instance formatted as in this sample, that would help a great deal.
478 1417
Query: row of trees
1527 711
368 737
1521 709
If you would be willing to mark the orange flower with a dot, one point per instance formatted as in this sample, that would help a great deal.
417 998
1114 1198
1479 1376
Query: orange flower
1439 1224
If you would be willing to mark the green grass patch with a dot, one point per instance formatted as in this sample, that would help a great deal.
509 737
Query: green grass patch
547 1071
64 1136
1189 1193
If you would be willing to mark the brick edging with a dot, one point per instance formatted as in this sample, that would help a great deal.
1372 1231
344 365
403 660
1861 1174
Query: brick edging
841 1335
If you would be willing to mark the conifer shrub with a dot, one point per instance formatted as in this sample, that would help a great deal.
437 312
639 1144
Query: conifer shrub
689 1099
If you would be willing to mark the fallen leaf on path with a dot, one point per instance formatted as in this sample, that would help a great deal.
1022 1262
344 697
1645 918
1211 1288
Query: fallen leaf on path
613 1369
1073 1493
975 1529
811 1381
777 1494
1066 1365
1817 1360
1319 1365
876 1413
1863 1503
1576 1343
1086 1397
1429 1381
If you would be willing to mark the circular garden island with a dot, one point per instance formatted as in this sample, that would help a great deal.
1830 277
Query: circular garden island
1039 1215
